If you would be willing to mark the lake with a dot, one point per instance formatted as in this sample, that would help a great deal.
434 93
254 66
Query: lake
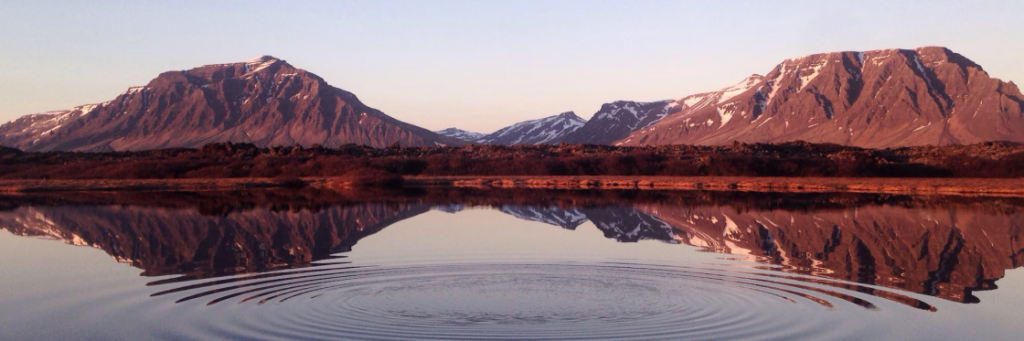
509 265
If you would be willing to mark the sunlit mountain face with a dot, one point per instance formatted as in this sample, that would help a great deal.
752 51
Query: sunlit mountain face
264 101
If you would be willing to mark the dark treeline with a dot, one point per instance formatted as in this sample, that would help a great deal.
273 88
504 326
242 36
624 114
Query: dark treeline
222 203
797 159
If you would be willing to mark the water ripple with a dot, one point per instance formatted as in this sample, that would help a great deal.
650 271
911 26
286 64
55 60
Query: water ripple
524 301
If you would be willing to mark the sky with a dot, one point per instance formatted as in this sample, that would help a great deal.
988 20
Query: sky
475 64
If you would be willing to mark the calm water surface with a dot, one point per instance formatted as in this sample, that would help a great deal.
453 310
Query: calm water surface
478 265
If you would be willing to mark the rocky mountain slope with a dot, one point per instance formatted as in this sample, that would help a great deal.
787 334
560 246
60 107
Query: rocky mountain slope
876 99
265 101
617 120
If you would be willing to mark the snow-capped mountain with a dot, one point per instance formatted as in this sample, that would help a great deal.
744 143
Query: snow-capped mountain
460 134
548 130
618 119
626 224
875 99
264 101
568 219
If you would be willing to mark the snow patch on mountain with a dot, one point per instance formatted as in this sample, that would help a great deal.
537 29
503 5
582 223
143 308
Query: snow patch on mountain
740 88
774 83
725 115
809 74
920 69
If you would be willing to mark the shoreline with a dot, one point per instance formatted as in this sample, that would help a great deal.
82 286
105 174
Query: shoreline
96 185
909 186
919 186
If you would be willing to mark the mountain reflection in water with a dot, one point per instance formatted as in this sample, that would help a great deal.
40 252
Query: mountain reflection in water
947 247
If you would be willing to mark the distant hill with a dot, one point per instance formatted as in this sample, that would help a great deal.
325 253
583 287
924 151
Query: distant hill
548 130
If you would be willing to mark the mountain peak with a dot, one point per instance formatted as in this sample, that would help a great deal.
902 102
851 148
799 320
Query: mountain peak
263 101
263 59
568 114
548 130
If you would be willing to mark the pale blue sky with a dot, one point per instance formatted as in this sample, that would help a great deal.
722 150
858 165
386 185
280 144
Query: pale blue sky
478 65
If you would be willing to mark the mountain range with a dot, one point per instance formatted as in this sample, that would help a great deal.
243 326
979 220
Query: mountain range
874 99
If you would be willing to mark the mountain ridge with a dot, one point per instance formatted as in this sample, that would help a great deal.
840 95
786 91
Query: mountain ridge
871 99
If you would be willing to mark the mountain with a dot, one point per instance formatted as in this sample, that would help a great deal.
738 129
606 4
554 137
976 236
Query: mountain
566 218
617 120
875 99
460 134
264 101
172 241
548 130
627 224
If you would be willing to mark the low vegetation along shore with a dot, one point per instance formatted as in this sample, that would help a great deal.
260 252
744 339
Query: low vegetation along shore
990 169
924 186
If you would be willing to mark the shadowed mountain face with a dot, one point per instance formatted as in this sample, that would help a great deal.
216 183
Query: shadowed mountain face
927 246
265 101
875 99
